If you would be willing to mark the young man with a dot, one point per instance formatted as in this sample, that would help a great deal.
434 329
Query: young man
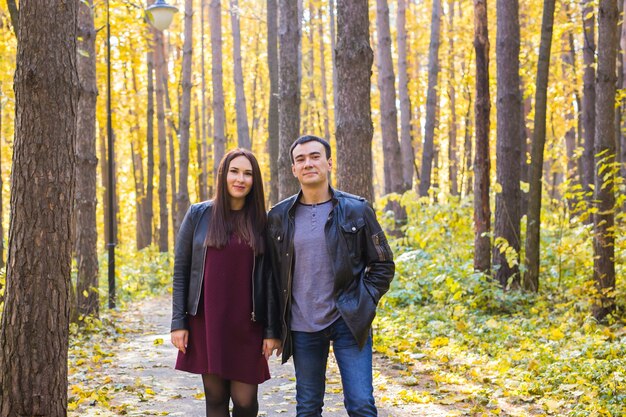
331 264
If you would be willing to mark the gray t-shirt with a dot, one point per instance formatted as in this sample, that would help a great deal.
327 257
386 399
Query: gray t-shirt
313 308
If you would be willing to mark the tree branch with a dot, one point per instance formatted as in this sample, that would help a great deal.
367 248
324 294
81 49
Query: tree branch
13 12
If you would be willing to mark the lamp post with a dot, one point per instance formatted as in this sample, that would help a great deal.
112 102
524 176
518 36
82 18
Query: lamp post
160 15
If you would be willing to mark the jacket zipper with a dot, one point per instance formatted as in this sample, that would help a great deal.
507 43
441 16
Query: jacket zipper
253 316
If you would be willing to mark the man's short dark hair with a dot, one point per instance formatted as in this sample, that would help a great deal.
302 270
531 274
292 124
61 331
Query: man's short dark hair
309 138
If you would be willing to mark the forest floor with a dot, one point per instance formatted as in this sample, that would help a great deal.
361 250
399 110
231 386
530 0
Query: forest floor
128 370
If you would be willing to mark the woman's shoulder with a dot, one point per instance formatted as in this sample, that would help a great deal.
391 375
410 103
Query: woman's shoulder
199 208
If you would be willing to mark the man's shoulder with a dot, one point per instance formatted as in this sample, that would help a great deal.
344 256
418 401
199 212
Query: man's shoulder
351 200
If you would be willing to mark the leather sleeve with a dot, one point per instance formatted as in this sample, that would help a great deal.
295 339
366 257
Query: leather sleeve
273 324
380 266
182 268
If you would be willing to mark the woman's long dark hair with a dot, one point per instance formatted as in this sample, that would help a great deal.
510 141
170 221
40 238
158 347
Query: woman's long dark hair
249 223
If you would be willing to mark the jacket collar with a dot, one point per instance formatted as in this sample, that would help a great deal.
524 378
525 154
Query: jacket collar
334 194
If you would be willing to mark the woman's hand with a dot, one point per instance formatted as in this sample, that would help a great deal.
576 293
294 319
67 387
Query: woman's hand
179 339
269 345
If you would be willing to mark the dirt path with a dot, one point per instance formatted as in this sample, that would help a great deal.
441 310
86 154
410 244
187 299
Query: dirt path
137 378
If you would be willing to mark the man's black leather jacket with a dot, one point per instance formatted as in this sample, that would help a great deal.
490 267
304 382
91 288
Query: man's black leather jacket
362 262
189 271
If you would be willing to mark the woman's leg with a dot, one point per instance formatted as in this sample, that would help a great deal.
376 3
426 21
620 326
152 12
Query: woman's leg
244 396
216 391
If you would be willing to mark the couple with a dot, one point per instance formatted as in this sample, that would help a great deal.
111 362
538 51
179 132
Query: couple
308 273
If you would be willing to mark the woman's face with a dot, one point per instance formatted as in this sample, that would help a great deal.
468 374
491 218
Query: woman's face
239 181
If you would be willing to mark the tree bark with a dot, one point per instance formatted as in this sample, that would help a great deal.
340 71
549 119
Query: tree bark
243 131
288 93
326 116
202 153
162 139
431 100
35 320
453 152
182 197
272 117
589 96
406 144
508 145
622 136
354 129
86 167
482 108
388 112
333 47
219 114
530 281
604 150
148 206
2 264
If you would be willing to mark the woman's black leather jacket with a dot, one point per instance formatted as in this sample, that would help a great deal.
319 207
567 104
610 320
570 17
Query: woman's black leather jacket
189 272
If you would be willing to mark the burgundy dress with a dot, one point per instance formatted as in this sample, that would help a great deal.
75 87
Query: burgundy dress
222 338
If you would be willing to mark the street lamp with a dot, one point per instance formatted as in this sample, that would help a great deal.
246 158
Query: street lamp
160 15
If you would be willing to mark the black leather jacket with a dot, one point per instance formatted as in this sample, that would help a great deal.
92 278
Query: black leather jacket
189 271
361 260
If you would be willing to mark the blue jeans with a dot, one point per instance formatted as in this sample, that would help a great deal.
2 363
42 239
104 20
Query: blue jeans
310 355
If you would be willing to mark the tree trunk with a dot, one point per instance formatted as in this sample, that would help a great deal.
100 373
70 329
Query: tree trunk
202 153
604 150
530 281
182 197
508 145
243 132
353 120
310 105
326 116
431 100
86 167
453 152
388 112
482 108
406 144
289 93
148 205
621 140
219 114
162 138
272 117
589 96
35 320
333 47
2 264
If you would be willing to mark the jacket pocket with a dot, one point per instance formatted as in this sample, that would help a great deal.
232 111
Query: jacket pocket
352 232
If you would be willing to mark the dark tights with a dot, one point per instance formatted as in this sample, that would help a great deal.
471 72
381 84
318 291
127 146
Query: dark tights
219 392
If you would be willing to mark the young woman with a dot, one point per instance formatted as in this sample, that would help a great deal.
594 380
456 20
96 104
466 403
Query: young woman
220 300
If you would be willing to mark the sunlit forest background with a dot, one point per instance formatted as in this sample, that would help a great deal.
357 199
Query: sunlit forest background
553 342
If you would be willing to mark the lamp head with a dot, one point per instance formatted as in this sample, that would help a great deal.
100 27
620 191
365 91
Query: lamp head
160 14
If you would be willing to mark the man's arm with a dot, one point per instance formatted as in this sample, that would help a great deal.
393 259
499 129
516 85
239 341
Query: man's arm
380 265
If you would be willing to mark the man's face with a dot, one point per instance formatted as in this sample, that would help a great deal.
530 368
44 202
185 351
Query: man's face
310 165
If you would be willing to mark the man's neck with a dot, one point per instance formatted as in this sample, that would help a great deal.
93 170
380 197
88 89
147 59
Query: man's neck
315 195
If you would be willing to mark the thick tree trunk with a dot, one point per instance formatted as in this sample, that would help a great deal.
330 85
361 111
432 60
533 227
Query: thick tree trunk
604 150
1 201
453 151
482 108
621 140
309 122
272 117
86 167
159 59
35 320
388 111
288 93
406 144
219 114
431 100
182 197
243 132
353 121
530 281
508 145
589 95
